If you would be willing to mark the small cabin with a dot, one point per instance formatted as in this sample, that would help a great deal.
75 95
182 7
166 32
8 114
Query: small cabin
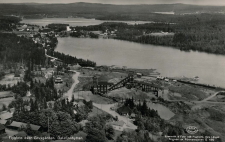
139 75
58 80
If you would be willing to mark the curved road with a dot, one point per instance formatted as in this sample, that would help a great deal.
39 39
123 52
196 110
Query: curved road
210 97
106 108
69 93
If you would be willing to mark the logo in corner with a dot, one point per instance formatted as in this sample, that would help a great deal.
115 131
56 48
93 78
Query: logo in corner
192 130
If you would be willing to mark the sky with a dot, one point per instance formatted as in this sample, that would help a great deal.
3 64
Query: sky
119 2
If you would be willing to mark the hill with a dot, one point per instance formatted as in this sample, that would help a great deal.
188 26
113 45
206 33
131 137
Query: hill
101 11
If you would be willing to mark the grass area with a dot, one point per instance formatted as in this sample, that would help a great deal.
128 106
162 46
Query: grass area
67 82
40 79
84 84
217 126
106 76
102 75
6 101
117 133
6 94
188 91
218 98
216 115
96 111
129 93
145 72
9 79
96 98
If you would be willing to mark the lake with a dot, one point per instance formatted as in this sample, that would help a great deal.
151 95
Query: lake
168 61
74 21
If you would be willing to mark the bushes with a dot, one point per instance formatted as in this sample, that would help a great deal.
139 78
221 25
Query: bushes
216 115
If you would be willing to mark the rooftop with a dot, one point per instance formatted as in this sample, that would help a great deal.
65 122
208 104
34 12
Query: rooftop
118 123
6 115
3 122
2 127
21 124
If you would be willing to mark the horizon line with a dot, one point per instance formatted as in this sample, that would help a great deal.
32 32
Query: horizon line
110 3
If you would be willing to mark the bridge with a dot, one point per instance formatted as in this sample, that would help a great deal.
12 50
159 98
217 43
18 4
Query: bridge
129 83
121 83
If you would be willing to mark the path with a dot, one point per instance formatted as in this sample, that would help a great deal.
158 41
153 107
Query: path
106 108
69 93
210 97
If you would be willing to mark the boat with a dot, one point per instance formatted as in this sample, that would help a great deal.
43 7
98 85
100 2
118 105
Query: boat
196 78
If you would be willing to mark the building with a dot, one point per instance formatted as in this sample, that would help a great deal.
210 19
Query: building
2 129
139 75
118 125
6 116
58 80
100 87
124 110
17 125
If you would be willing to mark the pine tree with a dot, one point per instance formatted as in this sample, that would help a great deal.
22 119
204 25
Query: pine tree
36 105
73 98
32 107
45 103
144 108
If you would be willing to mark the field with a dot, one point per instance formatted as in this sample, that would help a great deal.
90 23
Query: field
10 80
84 83
96 111
188 92
87 95
129 93
5 100
6 94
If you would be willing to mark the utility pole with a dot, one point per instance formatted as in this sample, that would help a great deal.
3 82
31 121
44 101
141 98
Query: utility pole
48 124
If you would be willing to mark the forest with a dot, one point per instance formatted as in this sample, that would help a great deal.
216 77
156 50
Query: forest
11 45
203 32
106 11
7 23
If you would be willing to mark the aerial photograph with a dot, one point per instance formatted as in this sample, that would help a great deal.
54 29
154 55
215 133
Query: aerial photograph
112 71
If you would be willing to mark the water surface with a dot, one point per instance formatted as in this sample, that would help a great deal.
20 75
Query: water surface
74 21
168 61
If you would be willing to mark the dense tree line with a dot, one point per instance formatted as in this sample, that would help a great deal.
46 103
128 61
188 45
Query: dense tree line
2 74
8 23
97 129
202 32
20 88
58 27
44 92
67 59
12 44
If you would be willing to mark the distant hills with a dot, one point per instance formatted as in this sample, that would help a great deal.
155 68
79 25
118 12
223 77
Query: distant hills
95 10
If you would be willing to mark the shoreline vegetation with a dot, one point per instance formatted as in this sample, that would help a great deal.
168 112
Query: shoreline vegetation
199 35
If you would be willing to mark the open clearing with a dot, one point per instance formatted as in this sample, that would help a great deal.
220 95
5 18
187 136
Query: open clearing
6 101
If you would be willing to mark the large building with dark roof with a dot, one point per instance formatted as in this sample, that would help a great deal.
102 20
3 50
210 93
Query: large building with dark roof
18 125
